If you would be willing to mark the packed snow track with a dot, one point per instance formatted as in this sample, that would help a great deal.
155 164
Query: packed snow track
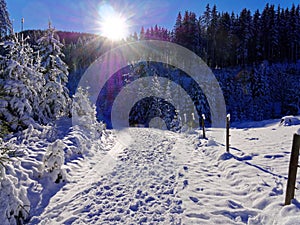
161 177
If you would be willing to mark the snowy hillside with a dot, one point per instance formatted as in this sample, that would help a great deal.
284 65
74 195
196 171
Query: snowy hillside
161 177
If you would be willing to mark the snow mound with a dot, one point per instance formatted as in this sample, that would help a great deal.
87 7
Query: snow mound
289 121
211 142
14 203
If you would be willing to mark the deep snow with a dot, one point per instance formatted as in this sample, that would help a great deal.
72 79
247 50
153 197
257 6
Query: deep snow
161 177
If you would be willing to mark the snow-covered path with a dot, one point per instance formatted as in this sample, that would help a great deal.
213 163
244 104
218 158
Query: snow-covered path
137 185
161 177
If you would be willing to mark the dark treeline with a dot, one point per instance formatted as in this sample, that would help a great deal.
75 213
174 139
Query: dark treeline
225 39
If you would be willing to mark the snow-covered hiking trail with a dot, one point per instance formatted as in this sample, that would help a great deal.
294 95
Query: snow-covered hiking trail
137 185
161 177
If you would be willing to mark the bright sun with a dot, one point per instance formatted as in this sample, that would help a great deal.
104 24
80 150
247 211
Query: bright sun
114 26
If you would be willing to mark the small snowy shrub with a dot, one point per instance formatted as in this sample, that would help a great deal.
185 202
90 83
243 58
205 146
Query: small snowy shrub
84 114
77 144
53 161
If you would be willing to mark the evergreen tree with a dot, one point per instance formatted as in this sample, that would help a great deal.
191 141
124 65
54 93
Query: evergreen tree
56 101
223 43
178 30
273 35
255 51
282 26
204 22
20 84
233 39
147 34
266 37
212 34
5 23
142 34
192 34
135 36
245 34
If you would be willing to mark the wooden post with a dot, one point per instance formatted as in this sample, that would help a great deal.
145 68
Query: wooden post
290 190
227 132
203 126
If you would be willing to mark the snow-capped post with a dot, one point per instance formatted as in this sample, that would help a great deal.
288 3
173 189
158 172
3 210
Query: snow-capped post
193 121
227 131
203 126
290 190
193 116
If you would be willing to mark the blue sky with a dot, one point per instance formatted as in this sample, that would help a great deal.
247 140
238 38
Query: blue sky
83 15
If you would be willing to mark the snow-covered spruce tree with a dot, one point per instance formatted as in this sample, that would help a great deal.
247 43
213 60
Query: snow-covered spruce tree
5 23
84 114
55 95
19 85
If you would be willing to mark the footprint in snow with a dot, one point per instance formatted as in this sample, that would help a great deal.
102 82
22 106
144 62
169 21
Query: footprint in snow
194 199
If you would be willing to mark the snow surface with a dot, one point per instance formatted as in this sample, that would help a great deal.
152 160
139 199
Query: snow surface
161 177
